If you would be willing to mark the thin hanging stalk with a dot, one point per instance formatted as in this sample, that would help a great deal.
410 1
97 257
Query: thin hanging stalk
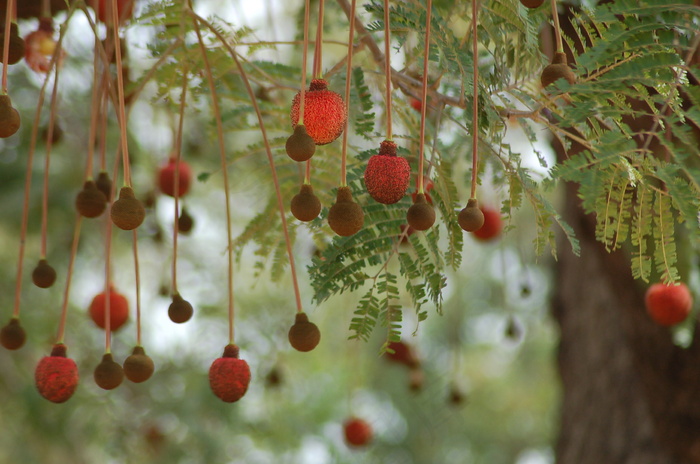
268 150
121 111
557 31
137 278
9 14
387 68
178 150
47 164
108 285
424 95
318 50
475 104
69 277
304 64
224 169
348 79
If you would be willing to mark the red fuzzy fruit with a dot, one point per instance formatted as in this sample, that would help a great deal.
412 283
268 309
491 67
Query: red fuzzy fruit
668 304
166 178
229 376
325 112
492 225
387 175
103 8
402 354
118 309
357 432
56 376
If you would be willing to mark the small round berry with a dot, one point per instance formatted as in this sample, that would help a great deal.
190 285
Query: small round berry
118 309
557 70
304 335
229 376
493 225
56 376
421 215
345 217
185 223
668 304
471 218
300 146
9 117
324 112
43 274
357 432
180 310
13 336
127 212
387 176
305 205
138 367
166 177
91 201
108 374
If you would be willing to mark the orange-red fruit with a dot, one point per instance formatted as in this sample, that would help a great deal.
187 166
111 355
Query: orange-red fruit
229 376
493 225
103 8
43 274
180 310
9 117
138 367
668 304
17 48
471 218
357 432
118 309
557 70
416 104
305 205
387 175
56 377
300 145
185 222
166 177
532 3
108 374
104 185
127 212
345 217
421 215
91 201
13 336
402 353
304 335
324 112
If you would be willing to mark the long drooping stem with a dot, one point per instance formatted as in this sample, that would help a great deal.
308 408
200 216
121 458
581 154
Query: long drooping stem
348 79
424 95
178 150
387 68
121 111
304 62
47 165
268 150
9 13
318 51
475 104
557 31
69 276
137 279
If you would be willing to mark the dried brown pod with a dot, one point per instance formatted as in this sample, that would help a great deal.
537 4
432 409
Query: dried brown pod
91 201
9 117
180 310
138 367
43 274
471 218
127 212
557 70
17 46
345 217
104 184
305 205
185 223
532 3
304 335
421 215
13 336
108 374
300 146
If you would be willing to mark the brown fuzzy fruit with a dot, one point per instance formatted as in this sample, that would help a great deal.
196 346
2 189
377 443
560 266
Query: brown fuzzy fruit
305 205
532 3
17 48
185 222
557 70
345 217
229 376
180 310
9 117
91 201
387 175
138 367
43 274
56 376
471 218
104 184
127 212
324 112
300 145
420 216
13 336
304 335
108 373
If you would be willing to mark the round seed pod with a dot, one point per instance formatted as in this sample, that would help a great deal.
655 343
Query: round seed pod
229 376
471 218
17 47
357 432
56 376
43 274
90 202
138 367
345 217
305 205
104 184
56 134
9 117
324 112
127 212
387 176
166 177
13 336
108 373
557 70
180 310
532 3
300 146
118 310
304 335
420 216
185 222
